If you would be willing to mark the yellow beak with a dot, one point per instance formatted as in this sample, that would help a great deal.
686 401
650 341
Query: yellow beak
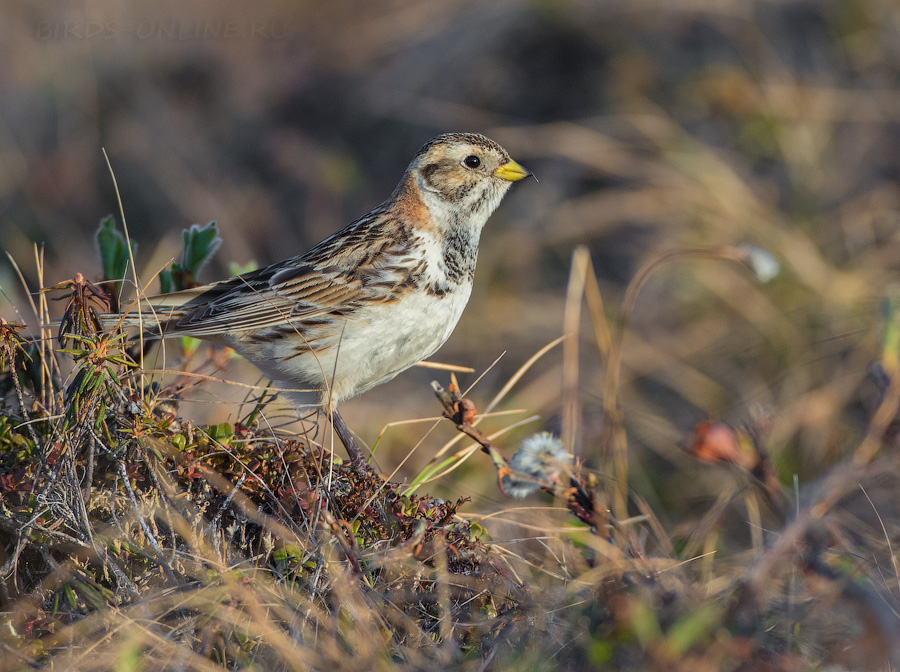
511 171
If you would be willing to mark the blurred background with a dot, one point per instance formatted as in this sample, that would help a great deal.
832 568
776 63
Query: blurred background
651 126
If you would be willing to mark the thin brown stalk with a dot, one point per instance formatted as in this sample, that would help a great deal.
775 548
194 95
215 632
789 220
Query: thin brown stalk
615 437
571 321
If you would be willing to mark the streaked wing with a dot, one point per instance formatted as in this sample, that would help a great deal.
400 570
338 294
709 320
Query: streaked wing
254 301
335 277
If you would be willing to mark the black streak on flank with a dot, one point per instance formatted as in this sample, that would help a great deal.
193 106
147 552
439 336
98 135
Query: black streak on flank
438 290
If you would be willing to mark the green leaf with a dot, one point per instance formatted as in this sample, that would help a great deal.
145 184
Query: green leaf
130 656
189 343
479 533
890 342
689 630
644 623
166 284
600 652
200 243
71 597
222 433
113 250
241 269
430 471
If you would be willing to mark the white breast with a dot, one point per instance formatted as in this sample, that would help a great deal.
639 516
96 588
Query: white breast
389 338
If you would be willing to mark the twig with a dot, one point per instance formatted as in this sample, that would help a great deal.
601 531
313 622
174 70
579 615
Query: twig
461 412
581 499
160 556
212 529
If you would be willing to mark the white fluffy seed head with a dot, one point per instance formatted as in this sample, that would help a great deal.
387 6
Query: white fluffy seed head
539 460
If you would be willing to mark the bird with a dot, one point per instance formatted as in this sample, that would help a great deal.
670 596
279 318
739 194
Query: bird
366 303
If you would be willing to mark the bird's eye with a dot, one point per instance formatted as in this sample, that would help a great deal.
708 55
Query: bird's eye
472 161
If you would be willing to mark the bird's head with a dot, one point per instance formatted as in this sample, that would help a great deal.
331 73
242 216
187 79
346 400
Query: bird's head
464 176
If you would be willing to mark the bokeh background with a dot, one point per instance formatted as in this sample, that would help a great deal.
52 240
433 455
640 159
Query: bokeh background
651 126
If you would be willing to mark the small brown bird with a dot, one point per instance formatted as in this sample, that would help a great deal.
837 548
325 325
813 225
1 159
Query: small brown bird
375 298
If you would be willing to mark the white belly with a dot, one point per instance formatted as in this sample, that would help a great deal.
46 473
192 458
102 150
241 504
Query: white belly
375 345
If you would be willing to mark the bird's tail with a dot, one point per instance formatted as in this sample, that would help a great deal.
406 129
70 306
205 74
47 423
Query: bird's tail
154 316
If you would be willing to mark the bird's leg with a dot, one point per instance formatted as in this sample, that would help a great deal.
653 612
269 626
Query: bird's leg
357 461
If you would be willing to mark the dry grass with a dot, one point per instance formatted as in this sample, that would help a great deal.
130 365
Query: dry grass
652 127
137 540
